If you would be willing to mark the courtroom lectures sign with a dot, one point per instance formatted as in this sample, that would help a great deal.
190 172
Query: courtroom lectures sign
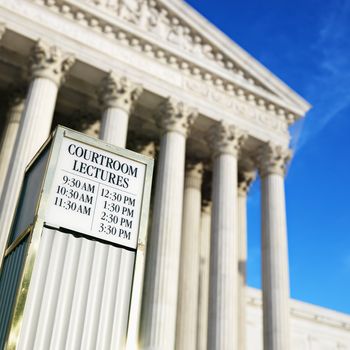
97 193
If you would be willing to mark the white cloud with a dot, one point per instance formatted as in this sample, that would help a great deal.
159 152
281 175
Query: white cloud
329 89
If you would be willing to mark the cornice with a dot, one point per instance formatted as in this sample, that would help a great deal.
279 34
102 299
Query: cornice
236 53
176 44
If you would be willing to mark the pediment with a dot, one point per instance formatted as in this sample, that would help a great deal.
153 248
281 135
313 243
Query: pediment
174 33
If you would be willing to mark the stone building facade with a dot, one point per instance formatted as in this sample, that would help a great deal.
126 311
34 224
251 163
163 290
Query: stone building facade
155 77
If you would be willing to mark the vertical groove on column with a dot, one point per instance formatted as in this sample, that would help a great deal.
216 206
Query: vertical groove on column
114 126
36 120
9 139
93 304
35 292
187 312
76 321
78 297
51 288
114 129
223 270
242 261
203 297
275 264
109 296
162 264
66 292
122 301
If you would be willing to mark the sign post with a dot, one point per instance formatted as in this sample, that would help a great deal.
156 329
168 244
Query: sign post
83 205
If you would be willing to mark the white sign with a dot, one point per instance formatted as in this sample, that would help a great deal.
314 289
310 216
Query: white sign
97 193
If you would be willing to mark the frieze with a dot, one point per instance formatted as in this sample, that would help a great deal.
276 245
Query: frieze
240 107
150 15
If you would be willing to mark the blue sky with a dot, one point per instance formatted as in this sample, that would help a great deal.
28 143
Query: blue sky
305 43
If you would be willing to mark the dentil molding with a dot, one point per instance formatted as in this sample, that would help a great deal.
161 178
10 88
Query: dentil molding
148 27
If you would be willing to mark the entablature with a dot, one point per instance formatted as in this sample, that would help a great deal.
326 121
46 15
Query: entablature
97 53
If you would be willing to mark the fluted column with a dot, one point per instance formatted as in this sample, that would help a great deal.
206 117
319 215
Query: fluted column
163 256
117 96
222 326
204 268
187 310
275 274
47 68
16 106
244 180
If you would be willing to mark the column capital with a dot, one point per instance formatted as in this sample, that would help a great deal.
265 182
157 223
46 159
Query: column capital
49 62
272 159
80 119
194 174
173 115
118 91
206 206
2 29
16 103
224 138
142 144
245 179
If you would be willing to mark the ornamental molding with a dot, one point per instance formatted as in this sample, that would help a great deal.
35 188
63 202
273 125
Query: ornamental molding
142 144
194 174
119 92
15 103
49 62
174 115
81 120
244 181
224 138
148 26
272 159
241 106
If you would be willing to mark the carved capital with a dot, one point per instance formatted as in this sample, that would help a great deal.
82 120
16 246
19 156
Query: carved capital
225 139
142 144
80 119
194 174
207 184
272 159
16 99
116 91
173 115
2 29
206 206
147 149
49 62
245 179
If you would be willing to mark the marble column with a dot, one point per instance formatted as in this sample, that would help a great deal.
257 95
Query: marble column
117 96
244 180
16 105
158 320
187 309
275 275
47 68
204 268
225 141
